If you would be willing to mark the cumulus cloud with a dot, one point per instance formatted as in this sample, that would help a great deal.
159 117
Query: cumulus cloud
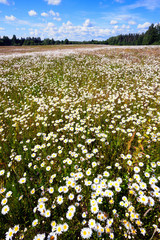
57 19
85 31
116 27
32 13
81 32
34 33
144 25
10 18
52 13
1 29
44 14
132 22
55 15
87 23
50 24
4 2
112 22
53 2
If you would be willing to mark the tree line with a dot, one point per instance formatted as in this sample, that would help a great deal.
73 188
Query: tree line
14 41
151 36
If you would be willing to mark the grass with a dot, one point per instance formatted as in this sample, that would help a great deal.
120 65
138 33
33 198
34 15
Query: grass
79 146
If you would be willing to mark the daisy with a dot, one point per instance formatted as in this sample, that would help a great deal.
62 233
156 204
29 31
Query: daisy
8 194
47 213
153 180
16 228
22 180
143 185
65 227
143 231
79 198
59 229
111 235
39 237
41 206
53 225
60 199
65 189
9 234
94 209
51 190
32 191
35 222
136 169
72 208
91 223
86 233
48 168
71 196
4 201
2 172
5 209
143 199
69 215
52 236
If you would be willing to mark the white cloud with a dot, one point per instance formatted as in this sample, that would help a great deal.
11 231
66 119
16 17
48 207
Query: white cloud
32 13
50 24
116 27
87 23
144 25
132 22
57 19
74 32
85 31
10 18
148 4
1 28
125 26
44 14
52 13
69 23
34 33
112 22
53 2
4 2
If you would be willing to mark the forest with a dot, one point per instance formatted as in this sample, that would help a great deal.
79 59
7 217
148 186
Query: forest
151 36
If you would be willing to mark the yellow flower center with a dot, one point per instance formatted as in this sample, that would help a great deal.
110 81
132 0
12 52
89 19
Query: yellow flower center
84 233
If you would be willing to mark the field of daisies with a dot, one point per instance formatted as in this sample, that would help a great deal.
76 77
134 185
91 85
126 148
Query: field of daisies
79 145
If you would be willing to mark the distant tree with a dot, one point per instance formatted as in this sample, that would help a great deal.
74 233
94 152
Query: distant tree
46 41
151 35
66 41
6 41
14 40
57 42
52 41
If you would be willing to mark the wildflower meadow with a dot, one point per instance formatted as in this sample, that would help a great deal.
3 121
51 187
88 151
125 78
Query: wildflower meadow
79 145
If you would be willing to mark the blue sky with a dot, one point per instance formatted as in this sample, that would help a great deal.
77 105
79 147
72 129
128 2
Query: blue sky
78 19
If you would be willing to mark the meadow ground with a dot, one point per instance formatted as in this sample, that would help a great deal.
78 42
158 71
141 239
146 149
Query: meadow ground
79 142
